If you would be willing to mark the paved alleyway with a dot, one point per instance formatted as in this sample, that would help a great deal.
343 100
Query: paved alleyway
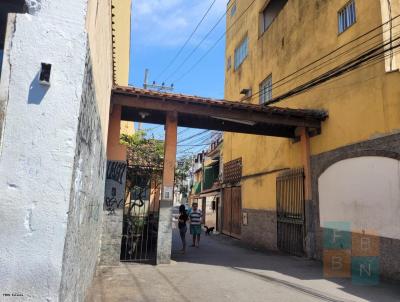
222 270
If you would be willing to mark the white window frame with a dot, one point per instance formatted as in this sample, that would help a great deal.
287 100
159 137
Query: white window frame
241 52
266 90
233 9
347 16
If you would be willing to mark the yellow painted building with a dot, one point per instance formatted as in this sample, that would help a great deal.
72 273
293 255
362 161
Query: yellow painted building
122 38
286 44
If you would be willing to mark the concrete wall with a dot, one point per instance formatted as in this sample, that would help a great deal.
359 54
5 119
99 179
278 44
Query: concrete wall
53 149
386 151
86 197
113 206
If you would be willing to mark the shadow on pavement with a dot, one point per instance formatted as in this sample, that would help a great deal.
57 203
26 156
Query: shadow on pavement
296 273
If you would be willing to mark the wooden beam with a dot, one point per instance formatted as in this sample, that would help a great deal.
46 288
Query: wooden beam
205 122
201 109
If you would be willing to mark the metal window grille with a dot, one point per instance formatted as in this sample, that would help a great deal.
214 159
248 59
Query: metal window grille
233 171
241 52
266 90
347 16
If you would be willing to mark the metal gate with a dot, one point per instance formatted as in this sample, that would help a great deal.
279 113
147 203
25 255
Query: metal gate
290 211
141 214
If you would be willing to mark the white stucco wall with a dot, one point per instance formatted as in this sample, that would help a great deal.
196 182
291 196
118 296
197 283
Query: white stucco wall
43 179
364 191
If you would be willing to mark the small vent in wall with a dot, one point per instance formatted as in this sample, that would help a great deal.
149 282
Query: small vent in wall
44 76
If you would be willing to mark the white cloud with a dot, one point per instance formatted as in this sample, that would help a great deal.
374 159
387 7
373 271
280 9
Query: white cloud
168 23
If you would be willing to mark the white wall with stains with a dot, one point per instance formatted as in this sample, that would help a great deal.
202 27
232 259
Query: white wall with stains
364 192
52 157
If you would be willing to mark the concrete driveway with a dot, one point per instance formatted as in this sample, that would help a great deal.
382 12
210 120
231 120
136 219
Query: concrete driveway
223 270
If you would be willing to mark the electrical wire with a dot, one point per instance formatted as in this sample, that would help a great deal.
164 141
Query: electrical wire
187 41
214 45
318 67
346 67
192 136
346 52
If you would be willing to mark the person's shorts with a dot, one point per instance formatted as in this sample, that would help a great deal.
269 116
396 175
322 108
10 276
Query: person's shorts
195 229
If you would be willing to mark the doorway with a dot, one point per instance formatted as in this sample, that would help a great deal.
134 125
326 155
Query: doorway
232 212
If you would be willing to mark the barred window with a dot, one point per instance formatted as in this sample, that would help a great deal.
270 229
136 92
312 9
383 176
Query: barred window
347 16
266 90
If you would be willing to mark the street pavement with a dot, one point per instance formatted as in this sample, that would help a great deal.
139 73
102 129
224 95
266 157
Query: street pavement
222 269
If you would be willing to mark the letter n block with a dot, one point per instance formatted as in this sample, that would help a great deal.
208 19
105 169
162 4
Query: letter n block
365 270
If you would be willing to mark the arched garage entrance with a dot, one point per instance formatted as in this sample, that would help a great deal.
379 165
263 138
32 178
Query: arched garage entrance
363 191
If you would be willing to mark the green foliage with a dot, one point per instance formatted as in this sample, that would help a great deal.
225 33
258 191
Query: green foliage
182 169
142 150
182 172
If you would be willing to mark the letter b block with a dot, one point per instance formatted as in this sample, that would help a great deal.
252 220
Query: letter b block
337 263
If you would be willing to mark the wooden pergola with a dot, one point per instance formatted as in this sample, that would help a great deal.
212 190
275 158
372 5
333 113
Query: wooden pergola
149 106
173 110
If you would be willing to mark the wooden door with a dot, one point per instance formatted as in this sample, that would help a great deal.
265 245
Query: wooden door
232 212
226 211
236 219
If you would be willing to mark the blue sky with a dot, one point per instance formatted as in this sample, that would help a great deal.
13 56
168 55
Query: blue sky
159 30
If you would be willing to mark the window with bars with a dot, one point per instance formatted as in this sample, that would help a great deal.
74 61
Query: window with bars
241 52
347 16
266 90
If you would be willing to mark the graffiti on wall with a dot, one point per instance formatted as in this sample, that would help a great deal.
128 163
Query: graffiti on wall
115 186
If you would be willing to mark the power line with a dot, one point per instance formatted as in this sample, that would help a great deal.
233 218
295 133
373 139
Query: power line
192 136
325 56
344 68
187 40
197 47
214 45
318 67
198 140
198 145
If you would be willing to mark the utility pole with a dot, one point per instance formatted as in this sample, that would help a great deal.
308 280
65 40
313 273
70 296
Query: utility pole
154 86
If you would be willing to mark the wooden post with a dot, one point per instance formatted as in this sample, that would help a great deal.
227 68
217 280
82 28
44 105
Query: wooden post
164 236
308 203
306 160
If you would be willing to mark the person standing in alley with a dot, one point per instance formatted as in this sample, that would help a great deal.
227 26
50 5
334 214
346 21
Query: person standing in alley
183 218
195 223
